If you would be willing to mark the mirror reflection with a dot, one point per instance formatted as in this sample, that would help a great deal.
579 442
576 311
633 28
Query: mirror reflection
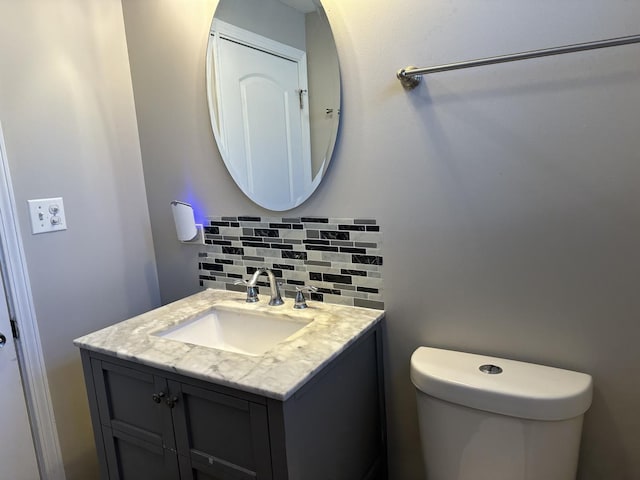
273 85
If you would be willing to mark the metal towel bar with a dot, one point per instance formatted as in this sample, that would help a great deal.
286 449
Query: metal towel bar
410 76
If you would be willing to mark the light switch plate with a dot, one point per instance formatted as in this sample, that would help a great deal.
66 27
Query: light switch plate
47 215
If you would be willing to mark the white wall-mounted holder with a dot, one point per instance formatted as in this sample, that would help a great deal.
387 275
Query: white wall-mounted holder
186 227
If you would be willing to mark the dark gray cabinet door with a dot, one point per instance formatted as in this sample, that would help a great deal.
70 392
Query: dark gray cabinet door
219 436
136 423
130 458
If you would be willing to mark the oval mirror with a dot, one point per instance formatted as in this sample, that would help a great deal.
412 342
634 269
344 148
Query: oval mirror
273 86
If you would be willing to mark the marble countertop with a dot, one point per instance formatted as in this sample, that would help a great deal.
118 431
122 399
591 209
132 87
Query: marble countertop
278 373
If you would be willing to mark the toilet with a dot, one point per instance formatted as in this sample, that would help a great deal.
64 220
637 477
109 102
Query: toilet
487 418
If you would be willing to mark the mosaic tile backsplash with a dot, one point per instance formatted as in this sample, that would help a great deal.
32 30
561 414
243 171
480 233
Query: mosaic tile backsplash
341 257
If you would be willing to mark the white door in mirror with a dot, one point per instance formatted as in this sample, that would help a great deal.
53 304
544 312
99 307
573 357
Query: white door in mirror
265 114
47 215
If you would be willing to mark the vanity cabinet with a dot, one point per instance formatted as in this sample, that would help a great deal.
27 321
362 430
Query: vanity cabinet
155 424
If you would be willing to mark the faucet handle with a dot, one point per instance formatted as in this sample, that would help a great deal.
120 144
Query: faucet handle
300 300
252 290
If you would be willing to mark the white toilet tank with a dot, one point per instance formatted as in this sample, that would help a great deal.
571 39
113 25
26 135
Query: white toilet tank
487 418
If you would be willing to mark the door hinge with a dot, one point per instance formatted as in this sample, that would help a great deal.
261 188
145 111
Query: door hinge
14 328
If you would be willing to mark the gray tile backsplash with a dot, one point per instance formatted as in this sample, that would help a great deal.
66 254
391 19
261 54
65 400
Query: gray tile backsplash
341 257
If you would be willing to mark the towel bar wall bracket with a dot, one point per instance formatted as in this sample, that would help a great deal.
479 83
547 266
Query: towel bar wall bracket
410 77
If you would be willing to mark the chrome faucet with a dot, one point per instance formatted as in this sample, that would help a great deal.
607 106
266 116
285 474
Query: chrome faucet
276 298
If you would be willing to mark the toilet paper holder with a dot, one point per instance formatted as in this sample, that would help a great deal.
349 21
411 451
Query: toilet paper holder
187 229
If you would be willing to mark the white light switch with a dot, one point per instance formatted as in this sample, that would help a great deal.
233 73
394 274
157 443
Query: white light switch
47 215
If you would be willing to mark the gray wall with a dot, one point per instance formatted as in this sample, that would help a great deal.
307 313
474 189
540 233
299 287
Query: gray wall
507 195
268 18
67 111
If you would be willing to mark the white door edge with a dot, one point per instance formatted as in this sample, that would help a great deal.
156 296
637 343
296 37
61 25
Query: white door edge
29 347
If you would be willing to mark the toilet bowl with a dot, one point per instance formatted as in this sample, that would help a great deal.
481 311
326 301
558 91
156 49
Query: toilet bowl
487 418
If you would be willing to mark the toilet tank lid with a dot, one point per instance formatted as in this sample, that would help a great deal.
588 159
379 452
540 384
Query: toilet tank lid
523 390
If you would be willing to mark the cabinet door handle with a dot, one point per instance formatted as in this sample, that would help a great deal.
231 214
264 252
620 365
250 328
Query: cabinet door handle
171 401
157 397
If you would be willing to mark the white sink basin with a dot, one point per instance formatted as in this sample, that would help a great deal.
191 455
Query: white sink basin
235 331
